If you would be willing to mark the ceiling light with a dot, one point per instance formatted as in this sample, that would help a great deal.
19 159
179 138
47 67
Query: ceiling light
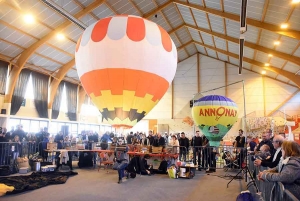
270 55
60 36
284 26
28 18
295 1
263 72
267 64
277 42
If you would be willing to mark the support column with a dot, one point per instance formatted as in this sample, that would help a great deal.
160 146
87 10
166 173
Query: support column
264 94
198 72
172 103
226 79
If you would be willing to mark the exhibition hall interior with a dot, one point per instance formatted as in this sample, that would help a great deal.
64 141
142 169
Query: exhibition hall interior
150 100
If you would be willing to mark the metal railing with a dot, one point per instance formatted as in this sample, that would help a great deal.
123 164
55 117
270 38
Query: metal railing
273 191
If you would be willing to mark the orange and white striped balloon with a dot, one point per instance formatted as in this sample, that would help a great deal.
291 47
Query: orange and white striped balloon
125 64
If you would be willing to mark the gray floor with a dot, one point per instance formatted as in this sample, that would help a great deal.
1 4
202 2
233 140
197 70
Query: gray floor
92 185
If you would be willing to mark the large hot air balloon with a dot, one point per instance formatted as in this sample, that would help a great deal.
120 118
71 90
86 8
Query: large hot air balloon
214 115
125 64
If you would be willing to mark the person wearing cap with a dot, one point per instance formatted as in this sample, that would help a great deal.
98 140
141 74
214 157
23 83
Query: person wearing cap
184 146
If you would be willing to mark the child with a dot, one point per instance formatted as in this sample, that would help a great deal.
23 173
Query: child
264 153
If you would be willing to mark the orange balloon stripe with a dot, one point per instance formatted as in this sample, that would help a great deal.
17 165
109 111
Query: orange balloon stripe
166 40
100 29
118 79
136 30
78 43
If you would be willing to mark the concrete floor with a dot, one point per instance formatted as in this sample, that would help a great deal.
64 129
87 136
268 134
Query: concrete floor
92 185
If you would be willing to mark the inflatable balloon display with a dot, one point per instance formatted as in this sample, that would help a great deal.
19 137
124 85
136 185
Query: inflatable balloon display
214 115
125 64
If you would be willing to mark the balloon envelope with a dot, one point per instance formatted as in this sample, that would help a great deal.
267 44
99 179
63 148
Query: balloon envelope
214 115
125 64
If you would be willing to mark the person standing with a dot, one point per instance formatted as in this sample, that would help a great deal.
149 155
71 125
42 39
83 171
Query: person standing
196 144
275 158
151 138
239 144
205 154
266 140
184 146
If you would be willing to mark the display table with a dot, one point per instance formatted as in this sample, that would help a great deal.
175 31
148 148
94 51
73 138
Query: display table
162 155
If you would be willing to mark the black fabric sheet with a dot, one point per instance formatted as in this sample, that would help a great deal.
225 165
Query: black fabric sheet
35 180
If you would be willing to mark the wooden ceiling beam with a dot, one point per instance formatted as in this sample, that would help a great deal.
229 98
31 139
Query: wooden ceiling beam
256 23
254 46
59 76
250 70
294 78
161 7
175 34
29 51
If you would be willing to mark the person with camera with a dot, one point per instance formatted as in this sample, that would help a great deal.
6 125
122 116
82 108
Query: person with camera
275 157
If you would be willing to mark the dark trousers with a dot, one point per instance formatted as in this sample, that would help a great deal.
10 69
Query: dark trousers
212 161
205 158
197 156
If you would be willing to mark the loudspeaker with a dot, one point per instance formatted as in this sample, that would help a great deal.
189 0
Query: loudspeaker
65 130
3 111
191 103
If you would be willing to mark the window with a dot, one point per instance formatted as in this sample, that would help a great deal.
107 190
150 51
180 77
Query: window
43 124
64 104
74 129
81 128
13 123
53 128
34 126
29 89
26 125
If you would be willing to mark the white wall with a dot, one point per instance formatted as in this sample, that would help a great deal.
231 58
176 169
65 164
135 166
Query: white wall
212 75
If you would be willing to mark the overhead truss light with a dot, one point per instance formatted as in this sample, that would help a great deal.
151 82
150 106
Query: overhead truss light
277 42
29 19
284 26
270 55
295 1
60 36
263 72
243 16
267 64
243 29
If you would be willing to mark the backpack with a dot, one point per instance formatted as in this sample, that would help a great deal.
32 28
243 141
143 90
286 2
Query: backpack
245 196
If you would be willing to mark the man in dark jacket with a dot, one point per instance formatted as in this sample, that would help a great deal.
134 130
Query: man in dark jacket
159 141
184 146
275 157
266 140
196 144
151 138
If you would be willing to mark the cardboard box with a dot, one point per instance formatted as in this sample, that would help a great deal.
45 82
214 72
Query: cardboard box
52 145
23 170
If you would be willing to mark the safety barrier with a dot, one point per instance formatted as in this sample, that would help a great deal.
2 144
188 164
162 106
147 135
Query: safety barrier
222 157
274 191
10 151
